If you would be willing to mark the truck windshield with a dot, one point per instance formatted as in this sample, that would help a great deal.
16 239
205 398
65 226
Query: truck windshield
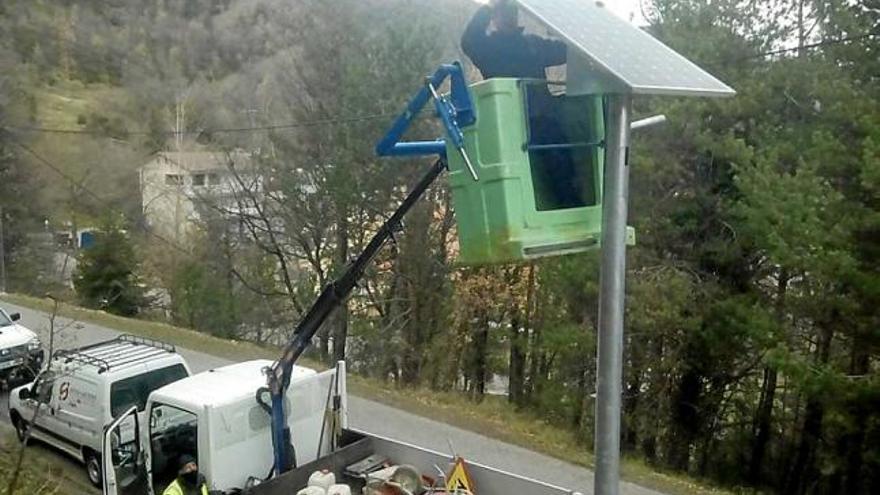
4 319
173 433
134 391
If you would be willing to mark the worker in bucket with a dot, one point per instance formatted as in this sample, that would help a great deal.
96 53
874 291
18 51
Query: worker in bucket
189 481
507 51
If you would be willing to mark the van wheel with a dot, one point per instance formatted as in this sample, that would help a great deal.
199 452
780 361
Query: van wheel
93 469
21 427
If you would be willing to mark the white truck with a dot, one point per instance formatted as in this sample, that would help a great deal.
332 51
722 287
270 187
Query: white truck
83 389
216 417
21 353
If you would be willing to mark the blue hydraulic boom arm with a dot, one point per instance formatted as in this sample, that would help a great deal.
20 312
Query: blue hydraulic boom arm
454 111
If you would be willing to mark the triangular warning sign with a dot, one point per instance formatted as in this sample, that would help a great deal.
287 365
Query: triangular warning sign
459 480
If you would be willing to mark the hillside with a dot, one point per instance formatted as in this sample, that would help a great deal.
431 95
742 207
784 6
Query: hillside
111 84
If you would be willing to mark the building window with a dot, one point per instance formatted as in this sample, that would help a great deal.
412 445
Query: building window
213 180
198 180
173 180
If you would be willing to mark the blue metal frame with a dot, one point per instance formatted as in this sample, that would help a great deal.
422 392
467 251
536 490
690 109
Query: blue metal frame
455 111
564 146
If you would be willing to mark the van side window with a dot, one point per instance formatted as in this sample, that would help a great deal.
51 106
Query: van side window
134 391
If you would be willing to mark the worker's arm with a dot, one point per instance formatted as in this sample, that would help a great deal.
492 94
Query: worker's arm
549 52
473 41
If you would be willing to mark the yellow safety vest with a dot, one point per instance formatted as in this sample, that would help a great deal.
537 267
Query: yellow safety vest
175 489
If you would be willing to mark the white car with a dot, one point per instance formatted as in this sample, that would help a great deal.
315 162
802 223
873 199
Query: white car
21 353
83 389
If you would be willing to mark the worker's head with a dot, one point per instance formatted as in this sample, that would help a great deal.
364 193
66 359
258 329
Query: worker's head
188 469
505 15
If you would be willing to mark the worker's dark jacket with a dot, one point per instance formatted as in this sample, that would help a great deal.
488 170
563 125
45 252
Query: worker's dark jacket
511 53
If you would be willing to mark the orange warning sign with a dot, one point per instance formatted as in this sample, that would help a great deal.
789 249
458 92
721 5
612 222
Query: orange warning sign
459 480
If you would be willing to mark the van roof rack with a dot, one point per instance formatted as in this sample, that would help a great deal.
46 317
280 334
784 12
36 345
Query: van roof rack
120 351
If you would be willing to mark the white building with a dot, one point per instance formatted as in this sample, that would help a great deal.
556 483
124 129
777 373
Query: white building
177 186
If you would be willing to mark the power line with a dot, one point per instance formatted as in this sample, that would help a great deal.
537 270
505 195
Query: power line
804 47
219 130
55 168
45 162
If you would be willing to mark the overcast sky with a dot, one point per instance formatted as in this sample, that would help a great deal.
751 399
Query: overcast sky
625 9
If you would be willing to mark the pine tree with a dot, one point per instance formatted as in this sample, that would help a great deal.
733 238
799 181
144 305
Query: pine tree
106 275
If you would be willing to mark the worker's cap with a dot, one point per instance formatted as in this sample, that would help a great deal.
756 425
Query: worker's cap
185 459
506 10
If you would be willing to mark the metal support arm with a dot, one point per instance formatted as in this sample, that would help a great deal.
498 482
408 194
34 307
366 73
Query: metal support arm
331 297
455 111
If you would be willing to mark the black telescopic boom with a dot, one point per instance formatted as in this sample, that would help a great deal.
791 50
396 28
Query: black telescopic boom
334 293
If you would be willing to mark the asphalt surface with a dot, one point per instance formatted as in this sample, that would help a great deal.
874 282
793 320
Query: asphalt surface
363 414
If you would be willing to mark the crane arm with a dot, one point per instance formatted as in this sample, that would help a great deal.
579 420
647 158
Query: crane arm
331 297
454 111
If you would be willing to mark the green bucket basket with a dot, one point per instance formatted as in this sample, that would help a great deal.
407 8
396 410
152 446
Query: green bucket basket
539 159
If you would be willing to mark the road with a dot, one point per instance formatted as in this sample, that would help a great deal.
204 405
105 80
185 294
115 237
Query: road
364 414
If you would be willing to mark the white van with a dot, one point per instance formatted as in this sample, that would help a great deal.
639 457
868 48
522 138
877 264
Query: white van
21 353
84 389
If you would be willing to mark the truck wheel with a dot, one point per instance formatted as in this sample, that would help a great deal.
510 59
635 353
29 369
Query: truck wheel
93 469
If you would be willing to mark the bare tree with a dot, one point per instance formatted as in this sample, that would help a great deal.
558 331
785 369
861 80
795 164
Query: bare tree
41 398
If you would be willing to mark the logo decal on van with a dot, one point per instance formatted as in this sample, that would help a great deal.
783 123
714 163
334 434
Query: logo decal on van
64 391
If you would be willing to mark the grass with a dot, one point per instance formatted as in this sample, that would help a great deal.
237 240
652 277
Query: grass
104 165
493 417
60 106
41 473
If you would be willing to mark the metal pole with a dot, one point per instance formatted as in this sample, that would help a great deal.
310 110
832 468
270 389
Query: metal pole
611 296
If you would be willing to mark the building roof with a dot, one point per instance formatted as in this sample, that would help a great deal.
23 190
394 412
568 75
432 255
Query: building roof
195 161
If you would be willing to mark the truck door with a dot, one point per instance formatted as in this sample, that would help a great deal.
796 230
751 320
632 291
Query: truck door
125 470
45 396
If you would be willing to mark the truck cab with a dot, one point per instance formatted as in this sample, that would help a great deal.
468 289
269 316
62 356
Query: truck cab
215 417
219 417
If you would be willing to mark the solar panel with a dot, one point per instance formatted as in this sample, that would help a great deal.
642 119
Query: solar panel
617 56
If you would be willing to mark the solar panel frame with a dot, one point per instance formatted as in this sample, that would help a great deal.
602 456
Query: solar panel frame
623 57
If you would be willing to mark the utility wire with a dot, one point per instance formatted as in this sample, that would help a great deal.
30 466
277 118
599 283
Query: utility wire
220 130
58 170
818 44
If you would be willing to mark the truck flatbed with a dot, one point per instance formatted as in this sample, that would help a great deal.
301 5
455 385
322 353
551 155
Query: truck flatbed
357 446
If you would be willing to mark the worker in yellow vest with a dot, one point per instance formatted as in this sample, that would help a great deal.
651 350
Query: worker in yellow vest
189 481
